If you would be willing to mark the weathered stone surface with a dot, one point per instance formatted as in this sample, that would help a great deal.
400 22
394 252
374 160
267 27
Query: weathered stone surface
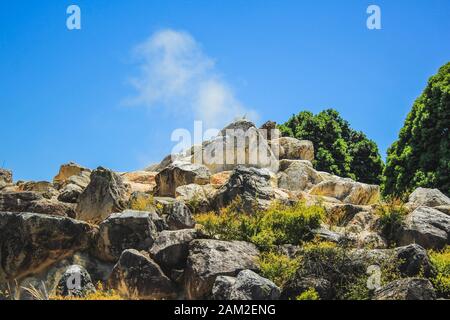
443 209
171 248
125 230
197 197
70 193
253 186
136 276
209 259
31 242
268 129
33 202
251 286
142 181
180 174
44 187
220 178
68 170
427 198
427 227
299 284
297 175
222 287
347 191
413 260
406 289
294 149
177 215
75 282
105 194
6 178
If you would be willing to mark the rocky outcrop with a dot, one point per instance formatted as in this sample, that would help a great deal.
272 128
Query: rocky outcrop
177 215
423 197
406 289
125 230
246 286
69 170
347 190
31 242
253 186
197 197
141 181
297 175
105 194
6 178
180 174
137 276
294 149
427 227
414 260
171 248
209 259
75 282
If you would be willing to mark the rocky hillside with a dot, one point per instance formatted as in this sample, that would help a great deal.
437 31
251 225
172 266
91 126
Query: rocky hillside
271 229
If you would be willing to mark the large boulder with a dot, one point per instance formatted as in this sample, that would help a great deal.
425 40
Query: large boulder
209 259
179 174
125 230
137 276
294 149
105 194
142 181
66 171
427 227
255 187
196 196
414 260
70 193
347 190
297 175
247 286
31 242
406 289
427 198
6 178
30 201
75 282
177 215
171 248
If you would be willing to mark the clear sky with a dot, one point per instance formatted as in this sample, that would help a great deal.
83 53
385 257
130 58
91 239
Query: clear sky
112 93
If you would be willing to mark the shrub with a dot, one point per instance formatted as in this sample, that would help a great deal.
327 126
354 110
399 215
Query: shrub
310 294
100 294
280 224
441 265
392 214
278 267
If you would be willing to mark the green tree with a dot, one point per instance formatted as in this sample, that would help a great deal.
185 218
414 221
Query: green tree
338 148
421 155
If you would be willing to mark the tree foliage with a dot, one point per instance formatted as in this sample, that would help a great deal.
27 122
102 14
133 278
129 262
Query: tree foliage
421 155
338 148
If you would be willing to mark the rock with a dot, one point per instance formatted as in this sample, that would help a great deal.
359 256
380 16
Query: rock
253 186
294 149
105 194
178 216
406 289
220 178
136 276
297 175
413 260
222 288
142 181
44 187
32 242
298 285
443 209
6 178
180 174
427 227
171 248
197 197
344 214
325 234
125 230
70 193
209 259
33 202
68 170
347 191
75 282
423 197
251 286
269 129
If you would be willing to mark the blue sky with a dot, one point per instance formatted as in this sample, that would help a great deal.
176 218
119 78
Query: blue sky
65 95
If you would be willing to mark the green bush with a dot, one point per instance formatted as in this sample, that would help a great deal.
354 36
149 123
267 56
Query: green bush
420 157
280 224
310 294
338 148
441 265
392 213
277 267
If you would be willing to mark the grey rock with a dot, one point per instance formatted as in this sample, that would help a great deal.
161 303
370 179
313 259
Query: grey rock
406 289
75 282
414 260
298 285
294 149
297 175
179 216
209 259
6 178
137 276
427 198
251 286
126 230
70 193
222 288
105 194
